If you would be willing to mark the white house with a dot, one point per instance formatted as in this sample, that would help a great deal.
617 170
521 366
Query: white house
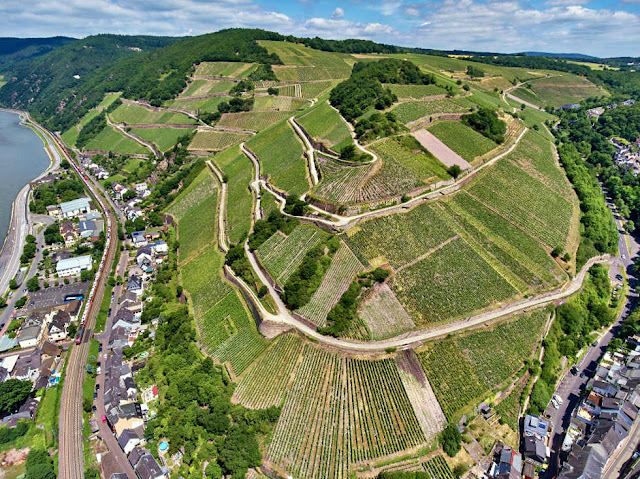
73 266
69 209
160 247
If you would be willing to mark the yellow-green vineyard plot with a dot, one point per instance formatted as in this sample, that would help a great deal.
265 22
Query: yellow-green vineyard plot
340 411
524 199
266 383
326 125
561 89
225 69
163 138
199 104
413 110
239 172
110 139
452 281
207 87
344 267
279 103
71 135
384 315
339 182
465 141
134 114
462 370
212 140
414 233
281 158
416 91
281 255
252 120
407 152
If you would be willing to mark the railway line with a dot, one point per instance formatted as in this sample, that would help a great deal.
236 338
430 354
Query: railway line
70 451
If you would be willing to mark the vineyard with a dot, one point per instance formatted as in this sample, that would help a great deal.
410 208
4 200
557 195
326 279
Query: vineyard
465 141
344 267
562 89
538 209
193 104
384 315
110 139
281 255
225 69
315 89
509 407
417 231
281 158
163 138
413 110
462 370
411 155
135 115
451 282
71 135
326 125
340 183
266 383
340 411
278 103
252 120
437 468
239 172
211 140
206 87
416 91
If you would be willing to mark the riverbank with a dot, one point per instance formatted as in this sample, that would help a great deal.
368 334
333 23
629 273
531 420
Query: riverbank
19 223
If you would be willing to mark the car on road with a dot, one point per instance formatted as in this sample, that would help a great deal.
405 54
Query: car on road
574 370
97 387
558 399
104 418
594 344
100 348
95 395
94 409
583 374
554 403
619 277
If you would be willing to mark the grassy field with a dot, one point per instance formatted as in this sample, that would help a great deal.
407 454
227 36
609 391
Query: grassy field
253 120
206 87
278 103
465 141
411 155
384 315
413 110
71 135
200 104
163 138
416 91
351 410
211 140
133 114
110 139
281 158
463 369
559 90
225 69
326 125
239 171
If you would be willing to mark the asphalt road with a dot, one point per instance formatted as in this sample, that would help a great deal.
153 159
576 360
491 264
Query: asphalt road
571 387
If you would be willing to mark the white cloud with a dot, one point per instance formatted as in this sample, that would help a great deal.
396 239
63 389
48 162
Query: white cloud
414 12
337 13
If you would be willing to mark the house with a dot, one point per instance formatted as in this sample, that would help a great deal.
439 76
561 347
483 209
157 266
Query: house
603 388
70 209
144 255
92 215
129 439
30 335
139 239
149 394
28 367
9 363
134 285
126 320
59 255
136 454
26 412
133 213
53 210
68 232
148 468
509 464
73 266
88 229
130 387
7 343
101 174
536 426
58 327
140 188
49 350
535 450
160 248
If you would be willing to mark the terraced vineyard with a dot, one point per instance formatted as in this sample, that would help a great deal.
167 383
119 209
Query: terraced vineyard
225 69
351 410
193 104
413 110
252 120
326 125
560 90
278 103
281 255
416 91
344 267
110 139
207 87
465 141
462 370
267 382
407 152
438 468
281 158
212 140
509 407
163 138
340 183
71 135
239 172
384 315
316 88
135 115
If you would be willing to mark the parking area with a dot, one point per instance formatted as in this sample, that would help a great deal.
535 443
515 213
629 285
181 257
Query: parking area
56 295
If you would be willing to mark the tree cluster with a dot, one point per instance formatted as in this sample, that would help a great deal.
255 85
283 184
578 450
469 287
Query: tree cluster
487 123
378 125
47 194
264 229
39 465
13 394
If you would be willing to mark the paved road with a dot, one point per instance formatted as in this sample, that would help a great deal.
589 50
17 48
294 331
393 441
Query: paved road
571 387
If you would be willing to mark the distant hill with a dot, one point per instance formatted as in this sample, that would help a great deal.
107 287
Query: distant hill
16 49
560 55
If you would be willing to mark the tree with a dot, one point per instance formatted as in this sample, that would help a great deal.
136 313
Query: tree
557 251
30 239
13 284
273 91
454 171
629 226
33 284
615 345
21 302
3 302
450 439
13 393
72 330
86 275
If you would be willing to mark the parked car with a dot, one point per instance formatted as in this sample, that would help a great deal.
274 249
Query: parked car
104 418
95 395
554 404
94 409
594 344
619 277
558 399
574 370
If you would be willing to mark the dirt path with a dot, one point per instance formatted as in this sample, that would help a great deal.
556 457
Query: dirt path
309 150
137 139
446 155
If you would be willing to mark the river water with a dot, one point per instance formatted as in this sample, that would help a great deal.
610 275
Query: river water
22 158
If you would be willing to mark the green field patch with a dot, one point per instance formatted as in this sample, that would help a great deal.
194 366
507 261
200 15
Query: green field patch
238 170
465 141
451 282
278 103
163 138
416 91
206 87
317 88
413 110
413 156
253 120
560 90
134 114
339 182
225 69
200 104
212 140
326 125
281 158
110 139
71 135
462 370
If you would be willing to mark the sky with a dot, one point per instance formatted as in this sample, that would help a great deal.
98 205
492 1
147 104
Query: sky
602 28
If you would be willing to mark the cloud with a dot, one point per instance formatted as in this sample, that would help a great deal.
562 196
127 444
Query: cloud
566 2
337 13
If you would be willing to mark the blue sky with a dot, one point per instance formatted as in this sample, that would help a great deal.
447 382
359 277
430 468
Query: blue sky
595 27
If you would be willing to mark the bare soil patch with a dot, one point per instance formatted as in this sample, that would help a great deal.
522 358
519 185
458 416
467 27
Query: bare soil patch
446 155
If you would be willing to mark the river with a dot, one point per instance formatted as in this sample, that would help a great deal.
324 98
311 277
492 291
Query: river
22 158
